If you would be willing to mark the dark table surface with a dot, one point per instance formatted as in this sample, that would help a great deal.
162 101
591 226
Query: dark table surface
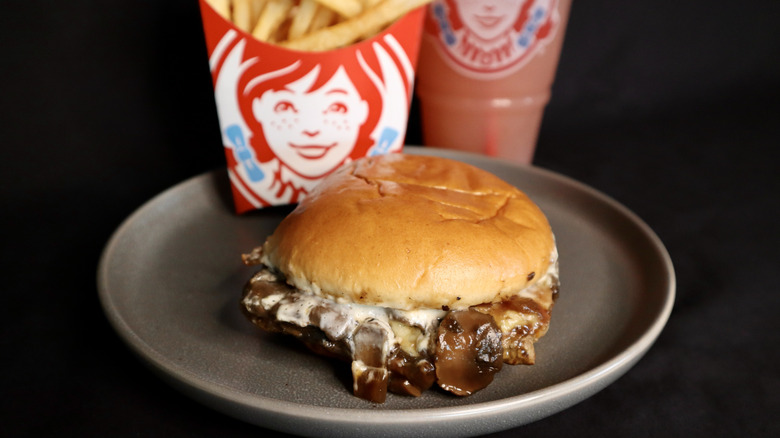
671 108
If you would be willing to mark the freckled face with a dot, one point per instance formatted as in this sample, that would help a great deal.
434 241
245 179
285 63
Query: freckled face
489 19
312 131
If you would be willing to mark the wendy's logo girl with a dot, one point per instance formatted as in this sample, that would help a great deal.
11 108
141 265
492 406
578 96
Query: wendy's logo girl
288 120
492 38
313 128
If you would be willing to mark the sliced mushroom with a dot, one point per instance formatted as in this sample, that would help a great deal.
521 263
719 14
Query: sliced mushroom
468 351
369 374
410 375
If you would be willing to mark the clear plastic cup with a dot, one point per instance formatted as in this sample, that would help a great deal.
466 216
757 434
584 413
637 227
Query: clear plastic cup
485 73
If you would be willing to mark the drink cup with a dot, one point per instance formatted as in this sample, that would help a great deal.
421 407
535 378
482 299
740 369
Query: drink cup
485 73
290 117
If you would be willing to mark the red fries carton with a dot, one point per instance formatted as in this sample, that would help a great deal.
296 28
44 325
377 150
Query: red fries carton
289 118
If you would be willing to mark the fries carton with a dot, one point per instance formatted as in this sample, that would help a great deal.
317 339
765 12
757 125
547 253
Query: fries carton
289 117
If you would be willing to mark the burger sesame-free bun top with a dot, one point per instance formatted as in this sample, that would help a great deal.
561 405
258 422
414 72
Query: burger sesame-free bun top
410 232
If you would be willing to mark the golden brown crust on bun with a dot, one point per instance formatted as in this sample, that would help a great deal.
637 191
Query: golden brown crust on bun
409 232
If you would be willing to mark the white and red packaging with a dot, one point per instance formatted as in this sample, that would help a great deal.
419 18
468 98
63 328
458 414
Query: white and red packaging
289 118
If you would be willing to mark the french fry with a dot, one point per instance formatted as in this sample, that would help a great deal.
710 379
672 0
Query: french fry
303 18
367 4
273 15
242 14
324 17
313 25
348 31
222 7
257 9
345 8
281 33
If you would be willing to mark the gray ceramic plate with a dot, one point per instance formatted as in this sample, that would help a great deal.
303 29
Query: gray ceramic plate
170 279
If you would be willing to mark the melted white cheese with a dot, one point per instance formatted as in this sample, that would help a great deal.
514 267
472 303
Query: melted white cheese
342 319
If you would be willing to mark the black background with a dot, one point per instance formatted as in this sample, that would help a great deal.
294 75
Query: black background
670 107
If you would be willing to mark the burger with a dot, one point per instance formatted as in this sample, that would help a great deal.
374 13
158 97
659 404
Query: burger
416 270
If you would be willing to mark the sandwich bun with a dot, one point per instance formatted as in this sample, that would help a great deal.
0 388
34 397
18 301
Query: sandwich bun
412 232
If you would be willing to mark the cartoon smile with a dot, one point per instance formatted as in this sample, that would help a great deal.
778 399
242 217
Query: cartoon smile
488 20
312 151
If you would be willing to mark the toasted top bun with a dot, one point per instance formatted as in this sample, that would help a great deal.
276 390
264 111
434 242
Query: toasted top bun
411 232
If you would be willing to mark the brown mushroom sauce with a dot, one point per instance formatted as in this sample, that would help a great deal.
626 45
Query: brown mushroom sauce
404 352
